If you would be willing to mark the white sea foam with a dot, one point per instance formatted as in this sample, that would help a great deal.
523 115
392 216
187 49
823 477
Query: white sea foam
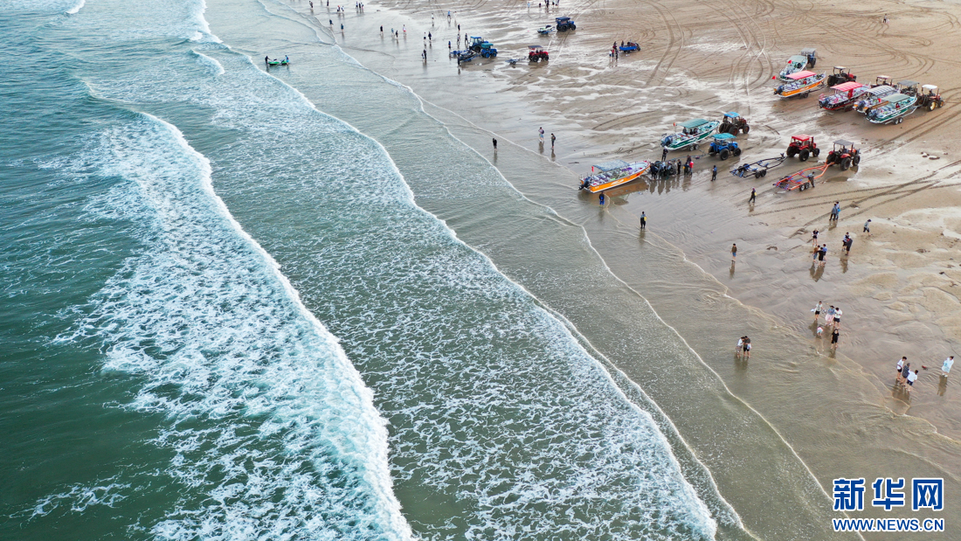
76 8
492 401
232 358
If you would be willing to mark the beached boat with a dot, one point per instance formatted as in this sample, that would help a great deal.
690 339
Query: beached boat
845 96
893 109
802 83
605 176
692 132
794 64
873 96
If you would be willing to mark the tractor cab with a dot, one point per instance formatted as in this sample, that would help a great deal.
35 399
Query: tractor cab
536 53
930 97
803 146
724 146
564 24
844 155
733 123
882 80
911 88
475 43
841 75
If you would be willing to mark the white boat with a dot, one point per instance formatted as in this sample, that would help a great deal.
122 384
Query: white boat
893 109
605 176
845 96
802 83
692 132
873 97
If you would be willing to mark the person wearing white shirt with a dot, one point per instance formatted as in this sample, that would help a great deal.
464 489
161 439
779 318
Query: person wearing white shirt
946 367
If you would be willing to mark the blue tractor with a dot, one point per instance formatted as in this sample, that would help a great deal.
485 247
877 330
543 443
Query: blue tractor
724 146
488 50
563 24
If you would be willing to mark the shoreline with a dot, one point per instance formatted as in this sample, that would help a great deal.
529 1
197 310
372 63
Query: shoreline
865 195
699 214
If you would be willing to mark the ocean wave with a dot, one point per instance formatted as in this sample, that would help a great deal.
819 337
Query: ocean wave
267 417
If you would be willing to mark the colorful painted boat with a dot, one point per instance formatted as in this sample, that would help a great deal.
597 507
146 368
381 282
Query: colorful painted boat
692 132
873 97
893 109
802 83
845 96
605 176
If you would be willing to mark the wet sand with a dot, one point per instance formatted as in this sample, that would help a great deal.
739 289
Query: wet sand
898 288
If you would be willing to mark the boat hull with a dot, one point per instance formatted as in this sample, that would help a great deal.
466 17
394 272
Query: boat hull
612 179
680 141
802 90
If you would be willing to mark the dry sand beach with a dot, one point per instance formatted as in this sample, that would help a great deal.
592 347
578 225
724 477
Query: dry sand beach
899 288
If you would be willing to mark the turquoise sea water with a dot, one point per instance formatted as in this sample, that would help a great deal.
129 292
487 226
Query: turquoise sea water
340 366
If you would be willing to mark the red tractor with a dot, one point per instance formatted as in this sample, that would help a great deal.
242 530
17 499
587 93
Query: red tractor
844 155
803 146
536 53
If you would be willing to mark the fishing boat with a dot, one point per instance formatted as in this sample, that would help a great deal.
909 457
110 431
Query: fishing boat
605 176
794 64
845 96
873 97
802 83
893 109
275 62
692 132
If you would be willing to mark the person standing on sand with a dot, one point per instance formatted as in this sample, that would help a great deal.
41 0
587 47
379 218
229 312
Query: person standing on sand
495 143
946 367
747 347
540 132
835 335
814 237
663 154
821 253
837 317
714 174
912 377
552 141
753 196
848 242
267 60
817 311
867 227
836 211
643 220
733 252
601 199
740 347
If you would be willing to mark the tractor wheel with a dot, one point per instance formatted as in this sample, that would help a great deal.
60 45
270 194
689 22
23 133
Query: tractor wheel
694 147
845 164
737 151
573 26
806 94
856 160
899 120
813 62
816 152
791 152
803 156
764 173
931 106
746 129
758 174
940 104
725 154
